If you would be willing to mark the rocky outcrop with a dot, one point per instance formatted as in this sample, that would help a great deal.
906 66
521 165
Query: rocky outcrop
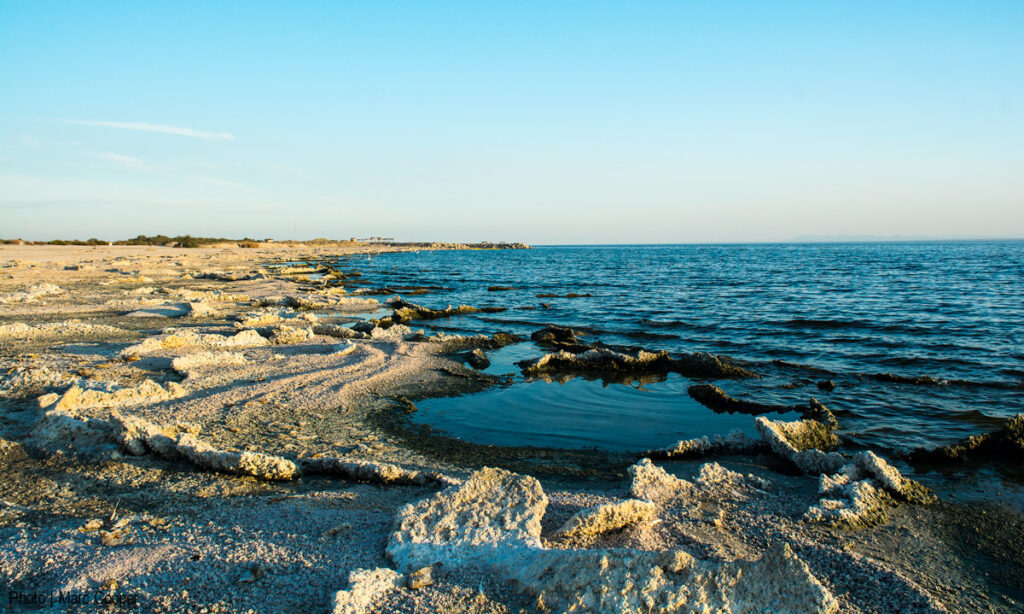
202 309
715 398
492 518
850 505
284 334
799 442
599 361
652 483
861 492
457 342
398 332
189 295
477 359
607 362
633 581
148 391
493 521
703 364
190 362
607 517
406 312
66 429
713 475
365 471
188 339
556 335
256 464
328 302
70 328
338 332
736 442
857 490
229 275
31 294
138 437
257 319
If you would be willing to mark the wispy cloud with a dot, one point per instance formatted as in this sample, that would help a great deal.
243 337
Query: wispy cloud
161 128
127 162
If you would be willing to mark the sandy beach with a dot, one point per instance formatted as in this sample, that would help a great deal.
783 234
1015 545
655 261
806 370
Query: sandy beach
221 429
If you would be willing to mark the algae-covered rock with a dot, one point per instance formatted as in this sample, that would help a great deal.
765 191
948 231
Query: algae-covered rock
799 442
861 492
1005 444
715 398
477 359
604 361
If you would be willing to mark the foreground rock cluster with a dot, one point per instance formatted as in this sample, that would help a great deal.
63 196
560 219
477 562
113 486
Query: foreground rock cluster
494 522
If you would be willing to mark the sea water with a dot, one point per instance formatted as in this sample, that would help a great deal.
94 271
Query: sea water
795 313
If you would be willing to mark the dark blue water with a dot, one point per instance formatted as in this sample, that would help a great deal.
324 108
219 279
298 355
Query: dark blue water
950 311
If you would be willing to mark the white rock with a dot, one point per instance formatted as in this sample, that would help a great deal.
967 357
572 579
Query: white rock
494 514
190 362
493 521
256 464
608 517
652 483
146 392
365 587
187 339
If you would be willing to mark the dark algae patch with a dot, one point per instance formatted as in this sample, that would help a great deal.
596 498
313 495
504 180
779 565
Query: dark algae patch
1004 445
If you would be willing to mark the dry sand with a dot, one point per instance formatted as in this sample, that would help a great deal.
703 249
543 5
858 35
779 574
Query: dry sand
200 345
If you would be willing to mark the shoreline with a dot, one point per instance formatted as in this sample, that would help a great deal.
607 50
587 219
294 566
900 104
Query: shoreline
294 393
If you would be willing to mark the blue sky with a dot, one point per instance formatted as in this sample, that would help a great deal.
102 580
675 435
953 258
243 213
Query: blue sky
553 122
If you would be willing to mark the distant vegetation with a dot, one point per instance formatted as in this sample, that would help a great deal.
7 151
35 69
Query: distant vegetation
180 241
185 241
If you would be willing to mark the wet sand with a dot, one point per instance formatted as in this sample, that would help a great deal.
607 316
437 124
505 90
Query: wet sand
278 459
